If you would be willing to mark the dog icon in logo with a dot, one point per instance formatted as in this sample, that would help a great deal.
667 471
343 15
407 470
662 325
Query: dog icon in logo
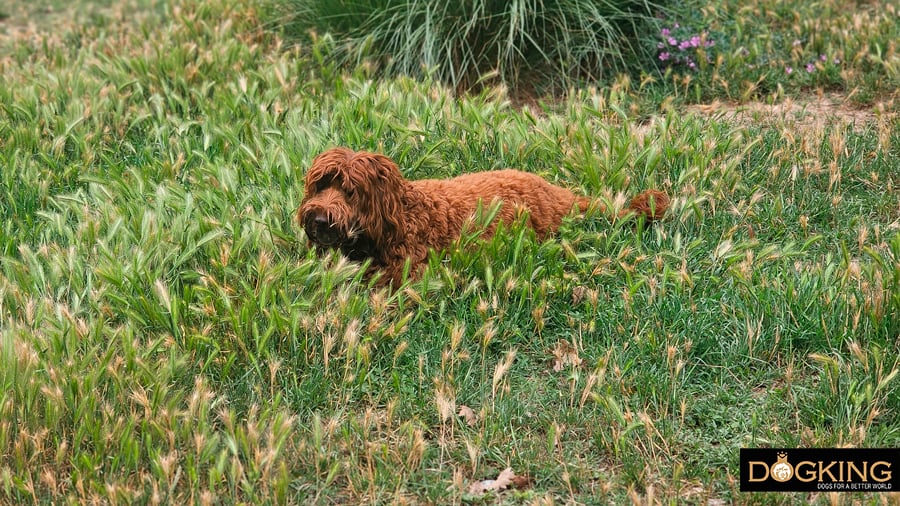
781 470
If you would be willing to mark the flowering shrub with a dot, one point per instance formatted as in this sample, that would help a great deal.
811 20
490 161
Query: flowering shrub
701 57
679 46
812 64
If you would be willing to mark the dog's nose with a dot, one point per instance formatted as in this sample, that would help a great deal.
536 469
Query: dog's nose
321 229
314 221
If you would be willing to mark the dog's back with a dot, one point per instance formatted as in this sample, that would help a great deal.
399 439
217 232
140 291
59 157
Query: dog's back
546 204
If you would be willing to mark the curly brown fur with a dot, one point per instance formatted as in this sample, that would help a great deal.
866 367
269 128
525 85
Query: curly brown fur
359 202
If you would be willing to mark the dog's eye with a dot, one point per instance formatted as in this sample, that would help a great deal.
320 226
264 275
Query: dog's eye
324 183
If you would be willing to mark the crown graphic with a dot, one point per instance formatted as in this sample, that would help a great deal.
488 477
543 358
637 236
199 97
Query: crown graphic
782 470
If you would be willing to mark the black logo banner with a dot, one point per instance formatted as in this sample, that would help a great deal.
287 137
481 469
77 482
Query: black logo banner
820 469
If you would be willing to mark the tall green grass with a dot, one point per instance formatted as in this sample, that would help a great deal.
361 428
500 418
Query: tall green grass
167 336
529 46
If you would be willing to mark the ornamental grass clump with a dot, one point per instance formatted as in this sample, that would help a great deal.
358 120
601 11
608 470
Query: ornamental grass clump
531 46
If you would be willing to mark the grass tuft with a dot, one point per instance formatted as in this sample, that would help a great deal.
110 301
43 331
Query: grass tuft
466 45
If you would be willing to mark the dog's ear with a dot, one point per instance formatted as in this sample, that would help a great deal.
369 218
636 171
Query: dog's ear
379 190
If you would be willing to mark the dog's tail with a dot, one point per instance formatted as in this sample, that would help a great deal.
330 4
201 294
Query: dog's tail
651 204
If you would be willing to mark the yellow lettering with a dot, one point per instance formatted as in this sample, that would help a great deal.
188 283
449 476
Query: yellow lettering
810 475
756 463
826 469
851 468
884 475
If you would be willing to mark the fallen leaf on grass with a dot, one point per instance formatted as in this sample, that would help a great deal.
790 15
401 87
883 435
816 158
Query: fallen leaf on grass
503 481
565 354
520 482
578 294
468 415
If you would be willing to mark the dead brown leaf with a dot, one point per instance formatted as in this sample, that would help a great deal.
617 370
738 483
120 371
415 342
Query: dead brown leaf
578 294
564 354
521 482
503 481
468 415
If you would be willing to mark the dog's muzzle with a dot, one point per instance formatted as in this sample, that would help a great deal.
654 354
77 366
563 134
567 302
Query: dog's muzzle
321 230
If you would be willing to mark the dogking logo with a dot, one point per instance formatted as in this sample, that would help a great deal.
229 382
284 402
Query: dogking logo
819 469
782 471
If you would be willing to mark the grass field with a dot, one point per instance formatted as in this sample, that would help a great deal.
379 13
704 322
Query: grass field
167 337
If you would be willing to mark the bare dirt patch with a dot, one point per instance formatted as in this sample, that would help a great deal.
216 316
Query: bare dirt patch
18 17
804 113
24 20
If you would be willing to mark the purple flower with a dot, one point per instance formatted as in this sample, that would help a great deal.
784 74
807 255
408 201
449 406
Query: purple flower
810 68
692 65
684 45
664 56
789 70
837 61
822 57
665 32
673 41
695 41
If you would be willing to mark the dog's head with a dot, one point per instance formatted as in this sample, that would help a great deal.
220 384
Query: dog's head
351 197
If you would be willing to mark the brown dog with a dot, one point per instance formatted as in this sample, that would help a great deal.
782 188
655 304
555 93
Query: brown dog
359 203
